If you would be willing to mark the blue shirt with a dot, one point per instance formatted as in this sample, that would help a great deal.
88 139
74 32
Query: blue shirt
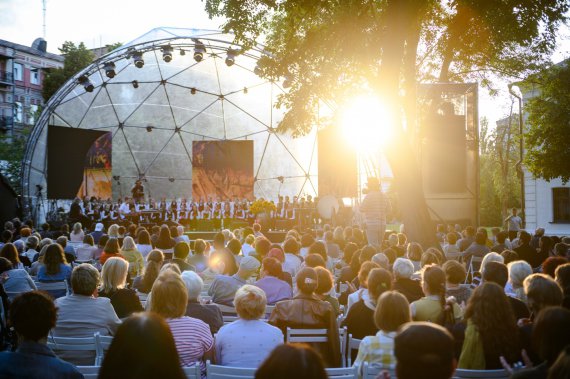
63 274
35 360
275 289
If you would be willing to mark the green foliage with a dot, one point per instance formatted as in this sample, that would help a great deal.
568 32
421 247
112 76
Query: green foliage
113 46
11 156
547 140
76 59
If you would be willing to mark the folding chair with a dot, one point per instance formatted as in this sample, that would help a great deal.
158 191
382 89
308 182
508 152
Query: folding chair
89 372
343 336
306 335
226 309
103 343
471 269
342 373
229 319
479 374
353 344
372 371
54 289
226 372
193 372
73 344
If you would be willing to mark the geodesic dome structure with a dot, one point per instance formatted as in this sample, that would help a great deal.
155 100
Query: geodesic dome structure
155 112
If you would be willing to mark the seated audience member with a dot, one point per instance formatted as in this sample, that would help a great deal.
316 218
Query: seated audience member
431 306
424 350
143 348
224 287
382 260
491 330
20 246
262 247
414 254
313 261
455 274
209 313
234 247
562 276
360 318
393 243
325 282
550 336
362 292
500 245
307 312
68 250
111 249
86 251
54 268
113 285
319 248
477 249
194 341
403 269
77 233
498 273
491 257
10 252
528 253
275 289
101 246
450 248
467 239
98 232
181 236
392 311
550 264
15 280
518 272
31 245
278 254
297 361
352 260
561 250
293 262
307 240
81 314
198 260
247 341
130 253
333 250
154 261
509 256
247 247
165 242
181 251
33 315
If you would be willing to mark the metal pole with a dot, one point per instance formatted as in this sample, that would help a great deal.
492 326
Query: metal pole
521 154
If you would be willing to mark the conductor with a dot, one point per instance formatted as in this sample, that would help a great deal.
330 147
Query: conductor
138 192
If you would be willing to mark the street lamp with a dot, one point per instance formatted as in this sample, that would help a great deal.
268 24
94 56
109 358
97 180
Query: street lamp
516 92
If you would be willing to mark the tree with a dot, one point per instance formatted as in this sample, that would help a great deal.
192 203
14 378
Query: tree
76 59
330 50
113 46
548 123
11 155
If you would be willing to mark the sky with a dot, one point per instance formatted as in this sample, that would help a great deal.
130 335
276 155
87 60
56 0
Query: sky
97 23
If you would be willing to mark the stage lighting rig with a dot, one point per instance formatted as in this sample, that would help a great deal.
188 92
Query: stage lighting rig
231 57
149 128
257 70
166 53
86 83
135 83
193 91
138 59
109 68
182 52
171 179
199 50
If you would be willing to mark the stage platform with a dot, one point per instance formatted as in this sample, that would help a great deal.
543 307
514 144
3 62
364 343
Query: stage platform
275 237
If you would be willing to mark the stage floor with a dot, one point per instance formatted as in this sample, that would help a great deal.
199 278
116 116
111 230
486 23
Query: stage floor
274 237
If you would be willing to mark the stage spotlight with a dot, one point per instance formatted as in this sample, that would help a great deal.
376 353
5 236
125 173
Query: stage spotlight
116 177
138 59
86 83
166 53
135 83
193 91
257 70
245 90
109 68
149 129
281 179
182 52
231 57
171 179
199 50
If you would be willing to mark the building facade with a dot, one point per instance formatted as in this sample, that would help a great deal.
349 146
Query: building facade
22 72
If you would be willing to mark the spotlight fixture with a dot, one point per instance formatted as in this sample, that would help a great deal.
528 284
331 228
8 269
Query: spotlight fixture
199 50
116 177
193 91
281 179
86 83
138 59
231 57
245 90
135 83
149 128
109 68
257 70
166 53
182 52
171 179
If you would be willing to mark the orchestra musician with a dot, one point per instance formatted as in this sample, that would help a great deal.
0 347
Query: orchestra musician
138 192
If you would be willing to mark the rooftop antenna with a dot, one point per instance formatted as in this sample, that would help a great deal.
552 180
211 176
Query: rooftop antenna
44 16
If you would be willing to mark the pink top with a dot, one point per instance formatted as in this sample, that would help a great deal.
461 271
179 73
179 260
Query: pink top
192 337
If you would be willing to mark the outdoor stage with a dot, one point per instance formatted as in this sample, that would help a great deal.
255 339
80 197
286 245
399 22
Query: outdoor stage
275 237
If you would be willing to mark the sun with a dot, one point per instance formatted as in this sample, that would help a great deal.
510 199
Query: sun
366 123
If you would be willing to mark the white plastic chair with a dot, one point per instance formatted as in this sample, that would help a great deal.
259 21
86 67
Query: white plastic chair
51 287
372 371
478 374
353 344
226 372
73 344
103 343
306 335
471 268
89 372
342 373
193 372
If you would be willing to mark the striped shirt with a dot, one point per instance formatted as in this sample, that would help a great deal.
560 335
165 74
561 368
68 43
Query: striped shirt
378 349
192 338
374 208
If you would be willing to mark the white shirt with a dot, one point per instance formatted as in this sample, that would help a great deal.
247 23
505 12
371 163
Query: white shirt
355 296
124 209
292 264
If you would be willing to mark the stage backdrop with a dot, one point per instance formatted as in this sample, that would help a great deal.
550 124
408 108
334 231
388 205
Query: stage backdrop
222 170
79 163
337 164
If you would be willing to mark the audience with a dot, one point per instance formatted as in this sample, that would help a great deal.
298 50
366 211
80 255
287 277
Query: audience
496 272
562 276
403 269
15 280
455 275
209 313
431 307
325 282
181 251
518 272
154 261
275 289
113 285
130 253
224 287
288 361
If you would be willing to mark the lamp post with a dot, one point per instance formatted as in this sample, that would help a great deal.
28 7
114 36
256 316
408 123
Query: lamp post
516 92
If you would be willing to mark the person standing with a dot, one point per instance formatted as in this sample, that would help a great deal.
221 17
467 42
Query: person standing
514 224
374 208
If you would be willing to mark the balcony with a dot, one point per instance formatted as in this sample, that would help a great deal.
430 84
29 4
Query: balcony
6 77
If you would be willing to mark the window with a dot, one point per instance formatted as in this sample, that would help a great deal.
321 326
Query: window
19 112
561 205
32 113
35 76
18 72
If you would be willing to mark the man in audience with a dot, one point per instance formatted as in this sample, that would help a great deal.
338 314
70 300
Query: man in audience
500 246
467 239
262 247
275 289
82 314
224 287
98 233
499 273
477 249
181 251
292 262
67 249
32 315
527 252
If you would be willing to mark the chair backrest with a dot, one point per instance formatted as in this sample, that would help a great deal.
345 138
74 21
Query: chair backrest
73 344
103 343
269 309
226 372
89 372
55 289
372 371
193 372
12 295
487 374
342 373
473 266
229 319
343 337
306 335
353 344
226 309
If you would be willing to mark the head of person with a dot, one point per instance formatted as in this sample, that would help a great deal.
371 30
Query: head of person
381 260
403 268
99 227
271 267
433 281
561 249
10 252
103 241
194 284
32 314
424 350
181 250
170 267
379 281
470 231
85 279
429 258
199 246
143 237
129 244
77 228
114 274
256 228
169 295
491 257
364 271
562 276
219 241
541 292
250 302
129 355
249 239
550 265
525 237
392 311
53 258
307 280
391 254
113 231
415 251
480 238
501 237
314 260
551 333
248 266
307 240
292 361
6 236
32 242
234 246
509 256
154 262
180 230
5 265
451 238
325 281
291 246
262 246
518 272
455 272
112 246
88 240
276 253
318 248
367 253
496 272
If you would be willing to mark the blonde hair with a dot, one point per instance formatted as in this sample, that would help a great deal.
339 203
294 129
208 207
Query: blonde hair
171 267
169 295
129 244
250 239
250 302
518 271
491 257
114 274
113 231
77 228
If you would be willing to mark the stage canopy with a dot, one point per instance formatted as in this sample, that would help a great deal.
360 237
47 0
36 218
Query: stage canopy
155 112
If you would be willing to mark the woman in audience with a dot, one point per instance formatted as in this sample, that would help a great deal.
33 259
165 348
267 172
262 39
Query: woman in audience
314 261
297 361
111 249
562 276
133 256
165 242
403 270
550 265
274 288
319 248
509 256
193 339
86 251
209 313
198 259
491 330
143 243
455 275
15 280
360 317
279 254
362 292
10 252
306 241
77 233
113 231
325 283
154 262
392 311
247 341
430 308
113 285
450 248
414 254
307 312
349 272
518 272
143 348
54 267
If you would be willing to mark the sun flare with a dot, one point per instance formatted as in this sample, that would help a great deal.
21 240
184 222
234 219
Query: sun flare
366 123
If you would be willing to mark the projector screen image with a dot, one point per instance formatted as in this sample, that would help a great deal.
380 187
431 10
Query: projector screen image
222 170
79 163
